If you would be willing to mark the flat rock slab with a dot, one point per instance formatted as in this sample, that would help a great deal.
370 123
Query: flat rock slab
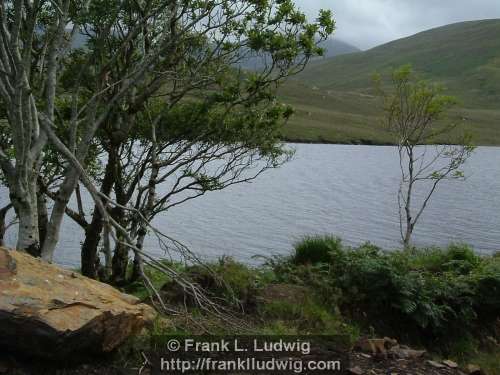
53 313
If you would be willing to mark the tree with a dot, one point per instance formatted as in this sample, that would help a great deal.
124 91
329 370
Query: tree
155 93
415 114
230 117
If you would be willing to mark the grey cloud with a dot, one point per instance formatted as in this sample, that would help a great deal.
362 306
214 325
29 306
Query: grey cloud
367 23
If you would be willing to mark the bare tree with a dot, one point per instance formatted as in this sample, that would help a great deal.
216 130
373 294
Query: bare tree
415 113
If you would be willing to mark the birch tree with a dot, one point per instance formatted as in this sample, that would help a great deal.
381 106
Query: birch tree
31 42
66 106
194 105
415 112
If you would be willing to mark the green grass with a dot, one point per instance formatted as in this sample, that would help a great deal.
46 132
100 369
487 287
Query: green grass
334 98
314 250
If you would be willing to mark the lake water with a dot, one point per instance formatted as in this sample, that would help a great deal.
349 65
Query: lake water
348 191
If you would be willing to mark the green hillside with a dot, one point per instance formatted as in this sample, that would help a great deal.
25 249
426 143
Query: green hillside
334 97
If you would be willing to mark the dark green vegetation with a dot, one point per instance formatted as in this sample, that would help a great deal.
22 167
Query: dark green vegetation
446 300
335 101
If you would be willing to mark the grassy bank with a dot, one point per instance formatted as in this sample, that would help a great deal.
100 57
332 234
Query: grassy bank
331 116
444 300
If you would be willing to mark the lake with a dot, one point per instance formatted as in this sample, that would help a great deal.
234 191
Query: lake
348 191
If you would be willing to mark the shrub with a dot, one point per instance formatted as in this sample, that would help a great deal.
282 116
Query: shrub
486 283
314 250
431 293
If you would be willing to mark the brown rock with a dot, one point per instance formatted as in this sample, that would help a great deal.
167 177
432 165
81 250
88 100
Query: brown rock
390 342
49 312
473 370
450 364
375 347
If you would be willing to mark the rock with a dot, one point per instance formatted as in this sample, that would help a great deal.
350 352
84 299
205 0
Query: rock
52 313
355 371
450 364
435 364
373 346
376 347
473 370
403 352
389 343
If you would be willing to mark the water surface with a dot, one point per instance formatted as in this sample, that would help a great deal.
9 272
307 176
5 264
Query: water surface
349 191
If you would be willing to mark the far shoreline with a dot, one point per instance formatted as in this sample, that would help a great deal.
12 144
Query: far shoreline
359 142
362 142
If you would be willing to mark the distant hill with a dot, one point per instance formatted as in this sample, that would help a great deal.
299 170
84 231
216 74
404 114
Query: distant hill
464 57
336 47
333 48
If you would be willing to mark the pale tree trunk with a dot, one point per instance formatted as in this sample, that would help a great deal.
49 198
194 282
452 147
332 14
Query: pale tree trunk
24 201
143 230
3 225
409 224
18 91
57 215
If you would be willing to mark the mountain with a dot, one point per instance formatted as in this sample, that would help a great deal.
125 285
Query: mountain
333 48
336 93
336 47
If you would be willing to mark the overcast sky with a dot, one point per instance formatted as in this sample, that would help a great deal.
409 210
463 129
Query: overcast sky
367 23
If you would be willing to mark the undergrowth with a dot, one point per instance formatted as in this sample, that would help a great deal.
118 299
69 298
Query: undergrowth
447 300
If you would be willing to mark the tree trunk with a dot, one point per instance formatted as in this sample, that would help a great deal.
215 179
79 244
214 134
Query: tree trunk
120 264
24 201
409 194
89 258
148 211
136 273
89 254
43 217
120 255
3 226
136 270
57 215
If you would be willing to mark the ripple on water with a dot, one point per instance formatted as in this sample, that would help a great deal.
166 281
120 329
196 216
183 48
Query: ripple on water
343 190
